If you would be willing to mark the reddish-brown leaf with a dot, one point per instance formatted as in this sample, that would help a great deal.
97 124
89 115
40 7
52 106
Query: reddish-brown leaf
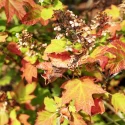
81 91
34 16
117 63
13 47
13 7
98 108
29 71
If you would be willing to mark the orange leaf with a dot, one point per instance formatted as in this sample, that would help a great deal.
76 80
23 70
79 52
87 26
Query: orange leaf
23 119
117 63
81 91
3 36
77 120
13 7
29 71
114 28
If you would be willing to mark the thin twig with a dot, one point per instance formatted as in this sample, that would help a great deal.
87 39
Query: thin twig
111 120
119 114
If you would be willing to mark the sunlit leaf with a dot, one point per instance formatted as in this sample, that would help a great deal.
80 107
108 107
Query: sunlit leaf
56 46
45 118
50 104
114 12
13 7
57 5
4 117
77 120
3 36
81 91
47 13
118 101
29 71
13 118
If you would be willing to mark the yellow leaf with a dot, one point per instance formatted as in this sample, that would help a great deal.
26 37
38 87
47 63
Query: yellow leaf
122 23
114 12
3 36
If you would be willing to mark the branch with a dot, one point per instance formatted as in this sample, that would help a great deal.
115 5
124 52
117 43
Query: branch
119 114
111 120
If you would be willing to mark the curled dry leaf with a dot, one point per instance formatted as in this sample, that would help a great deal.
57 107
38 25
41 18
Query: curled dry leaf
50 72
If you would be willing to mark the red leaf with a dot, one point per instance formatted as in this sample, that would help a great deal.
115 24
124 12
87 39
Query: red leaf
81 91
13 7
29 71
62 60
98 108
13 47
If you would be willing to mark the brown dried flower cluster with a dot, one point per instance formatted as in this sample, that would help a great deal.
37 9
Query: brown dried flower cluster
74 28
26 41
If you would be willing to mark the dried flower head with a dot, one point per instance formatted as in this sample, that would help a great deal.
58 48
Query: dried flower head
74 28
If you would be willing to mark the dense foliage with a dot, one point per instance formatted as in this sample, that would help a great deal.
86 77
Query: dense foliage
57 68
